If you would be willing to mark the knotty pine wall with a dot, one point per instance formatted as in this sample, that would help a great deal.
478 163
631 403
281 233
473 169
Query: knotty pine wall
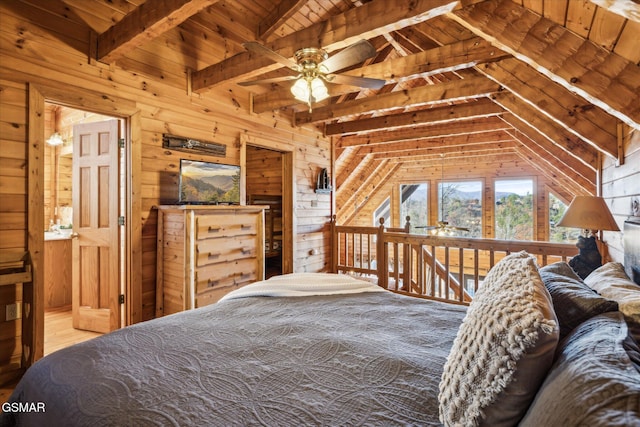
163 106
487 169
264 172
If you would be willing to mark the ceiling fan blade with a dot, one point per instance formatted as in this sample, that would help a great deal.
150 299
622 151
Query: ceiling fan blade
350 55
267 81
365 82
256 47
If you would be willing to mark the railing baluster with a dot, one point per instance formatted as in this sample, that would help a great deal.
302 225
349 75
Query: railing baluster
462 287
447 272
431 272
476 270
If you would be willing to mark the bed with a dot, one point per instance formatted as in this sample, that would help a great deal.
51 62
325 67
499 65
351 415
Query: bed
537 346
305 349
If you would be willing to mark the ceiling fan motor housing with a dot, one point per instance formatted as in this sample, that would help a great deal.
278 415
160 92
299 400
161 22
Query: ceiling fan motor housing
308 58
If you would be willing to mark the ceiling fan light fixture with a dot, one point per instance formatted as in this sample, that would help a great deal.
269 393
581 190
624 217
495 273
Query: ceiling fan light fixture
300 90
319 91
309 90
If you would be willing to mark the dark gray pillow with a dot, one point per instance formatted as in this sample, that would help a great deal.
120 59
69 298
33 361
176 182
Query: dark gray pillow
573 301
594 381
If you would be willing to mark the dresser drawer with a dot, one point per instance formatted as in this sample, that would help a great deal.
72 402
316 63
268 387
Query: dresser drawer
225 274
213 251
213 227
213 295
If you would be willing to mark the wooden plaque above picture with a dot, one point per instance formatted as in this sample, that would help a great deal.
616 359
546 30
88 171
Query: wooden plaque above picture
181 143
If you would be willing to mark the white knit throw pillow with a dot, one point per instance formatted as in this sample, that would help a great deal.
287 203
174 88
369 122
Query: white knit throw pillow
503 349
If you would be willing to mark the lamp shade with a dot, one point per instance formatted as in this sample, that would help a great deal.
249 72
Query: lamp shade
588 213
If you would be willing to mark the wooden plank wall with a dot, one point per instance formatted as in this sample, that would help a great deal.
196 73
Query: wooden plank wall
488 170
264 171
51 58
13 213
620 186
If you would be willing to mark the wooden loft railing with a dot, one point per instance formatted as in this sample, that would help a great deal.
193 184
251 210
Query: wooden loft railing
443 268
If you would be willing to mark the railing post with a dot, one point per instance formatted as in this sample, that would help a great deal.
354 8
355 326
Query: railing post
383 257
334 245
407 224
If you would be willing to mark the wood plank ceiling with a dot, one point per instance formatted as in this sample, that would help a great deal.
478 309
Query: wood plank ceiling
555 82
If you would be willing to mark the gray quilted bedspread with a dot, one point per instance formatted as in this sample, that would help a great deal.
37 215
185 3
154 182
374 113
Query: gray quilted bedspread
364 359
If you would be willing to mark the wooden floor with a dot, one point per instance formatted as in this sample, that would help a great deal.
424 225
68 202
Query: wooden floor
58 333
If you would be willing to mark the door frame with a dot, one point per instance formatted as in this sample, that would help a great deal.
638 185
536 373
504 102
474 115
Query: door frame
81 99
288 191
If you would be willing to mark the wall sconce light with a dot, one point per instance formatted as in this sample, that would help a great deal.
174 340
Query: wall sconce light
55 139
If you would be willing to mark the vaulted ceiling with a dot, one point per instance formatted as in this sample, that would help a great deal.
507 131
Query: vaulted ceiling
555 82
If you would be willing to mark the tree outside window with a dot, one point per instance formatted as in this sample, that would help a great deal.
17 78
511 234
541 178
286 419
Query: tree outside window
460 204
514 209
556 211
413 203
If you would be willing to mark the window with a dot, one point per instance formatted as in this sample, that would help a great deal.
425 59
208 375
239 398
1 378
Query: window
383 211
460 204
514 209
556 211
413 203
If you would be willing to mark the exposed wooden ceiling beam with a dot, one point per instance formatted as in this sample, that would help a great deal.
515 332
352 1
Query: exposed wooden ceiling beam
443 92
548 149
429 153
473 109
583 119
559 135
337 32
145 23
441 130
629 9
601 77
348 170
555 170
364 168
390 149
357 197
456 56
278 16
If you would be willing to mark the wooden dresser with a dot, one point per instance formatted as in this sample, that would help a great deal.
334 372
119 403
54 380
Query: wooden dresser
204 252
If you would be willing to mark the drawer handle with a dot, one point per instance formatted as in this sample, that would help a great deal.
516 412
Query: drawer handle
212 229
212 283
214 255
245 251
245 226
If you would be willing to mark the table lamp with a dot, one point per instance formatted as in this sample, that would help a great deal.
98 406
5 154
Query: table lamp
591 214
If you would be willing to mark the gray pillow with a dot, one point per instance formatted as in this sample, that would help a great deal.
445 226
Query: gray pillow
503 349
573 301
595 380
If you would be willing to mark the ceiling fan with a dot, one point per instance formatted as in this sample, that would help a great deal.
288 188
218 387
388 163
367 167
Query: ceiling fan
442 227
314 67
